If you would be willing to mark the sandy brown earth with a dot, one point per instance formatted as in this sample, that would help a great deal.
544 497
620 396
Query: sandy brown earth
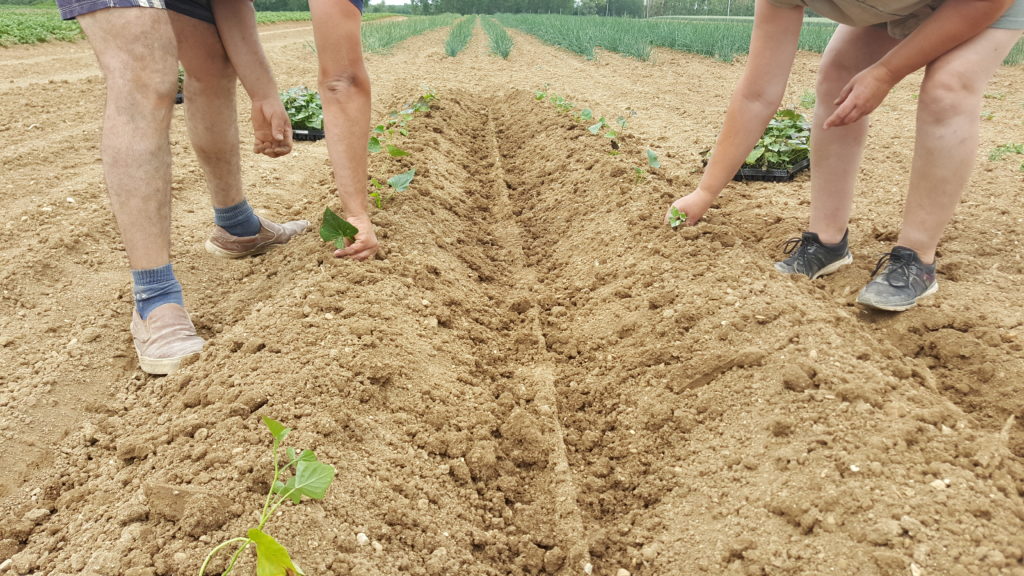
538 377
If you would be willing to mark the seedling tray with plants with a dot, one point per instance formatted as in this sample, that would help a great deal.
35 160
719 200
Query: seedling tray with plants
782 151
306 113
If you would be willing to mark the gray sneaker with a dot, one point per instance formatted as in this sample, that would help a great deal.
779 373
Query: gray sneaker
223 244
904 281
810 257
165 338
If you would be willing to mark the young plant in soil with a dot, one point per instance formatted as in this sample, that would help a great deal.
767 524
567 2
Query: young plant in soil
785 142
398 183
676 217
336 229
304 108
310 478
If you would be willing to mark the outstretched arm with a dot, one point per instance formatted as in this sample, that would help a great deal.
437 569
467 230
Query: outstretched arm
955 22
345 93
755 100
236 23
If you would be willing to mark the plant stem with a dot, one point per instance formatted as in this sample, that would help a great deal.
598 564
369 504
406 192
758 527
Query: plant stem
234 557
202 569
265 519
277 472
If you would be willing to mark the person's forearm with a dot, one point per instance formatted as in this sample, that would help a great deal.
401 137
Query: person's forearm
955 22
758 93
236 23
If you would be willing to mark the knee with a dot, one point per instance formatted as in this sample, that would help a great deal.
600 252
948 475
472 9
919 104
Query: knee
345 82
142 81
948 95
833 74
215 74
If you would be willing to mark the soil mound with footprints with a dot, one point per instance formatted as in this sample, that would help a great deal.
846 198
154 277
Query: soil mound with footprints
538 376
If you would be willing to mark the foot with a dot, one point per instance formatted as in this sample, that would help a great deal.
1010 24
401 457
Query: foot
164 339
810 257
224 245
905 280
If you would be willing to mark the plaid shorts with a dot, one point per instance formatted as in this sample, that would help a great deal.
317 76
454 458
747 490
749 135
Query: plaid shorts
198 9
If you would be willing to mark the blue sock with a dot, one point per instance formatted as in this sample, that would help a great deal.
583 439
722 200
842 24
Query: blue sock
154 287
238 220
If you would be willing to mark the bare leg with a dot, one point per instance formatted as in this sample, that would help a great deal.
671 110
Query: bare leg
210 108
136 51
836 152
947 136
345 92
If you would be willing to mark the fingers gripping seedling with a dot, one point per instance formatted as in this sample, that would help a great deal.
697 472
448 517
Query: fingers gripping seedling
336 229
310 478
676 217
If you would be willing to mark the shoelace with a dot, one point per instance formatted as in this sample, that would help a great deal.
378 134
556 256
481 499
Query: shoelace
900 268
792 244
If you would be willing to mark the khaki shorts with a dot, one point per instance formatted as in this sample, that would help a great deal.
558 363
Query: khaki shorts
901 17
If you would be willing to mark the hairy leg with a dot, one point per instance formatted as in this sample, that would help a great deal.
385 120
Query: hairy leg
836 152
946 141
136 51
210 109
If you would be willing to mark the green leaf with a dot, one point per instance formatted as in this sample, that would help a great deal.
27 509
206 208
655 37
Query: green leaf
402 181
754 155
276 429
586 114
652 159
335 228
272 558
396 152
313 478
596 127
374 145
676 217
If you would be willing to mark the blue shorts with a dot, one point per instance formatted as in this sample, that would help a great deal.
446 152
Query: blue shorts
198 9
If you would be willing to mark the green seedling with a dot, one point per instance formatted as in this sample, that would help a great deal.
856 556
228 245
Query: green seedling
181 80
1000 152
652 159
639 175
987 115
676 217
336 229
596 128
309 477
397 183
396 152
304 108
995 96
808 99
784 143
586 115
374 145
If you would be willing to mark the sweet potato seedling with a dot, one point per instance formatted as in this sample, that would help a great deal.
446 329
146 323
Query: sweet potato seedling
676 217
397 183
309 477
652 159
336 229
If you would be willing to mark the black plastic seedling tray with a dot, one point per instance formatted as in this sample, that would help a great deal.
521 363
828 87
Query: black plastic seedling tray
772 175
307 134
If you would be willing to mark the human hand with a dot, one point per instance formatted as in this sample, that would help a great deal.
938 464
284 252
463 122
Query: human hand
861 95
694 205
272 129
365 246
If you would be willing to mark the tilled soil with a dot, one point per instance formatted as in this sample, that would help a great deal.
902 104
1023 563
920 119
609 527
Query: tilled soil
538 376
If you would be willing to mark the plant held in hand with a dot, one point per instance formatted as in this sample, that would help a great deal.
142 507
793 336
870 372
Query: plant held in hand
336 229
310 478
676 217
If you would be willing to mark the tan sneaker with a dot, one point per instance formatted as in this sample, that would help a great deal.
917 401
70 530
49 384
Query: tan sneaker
164 339
224 245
